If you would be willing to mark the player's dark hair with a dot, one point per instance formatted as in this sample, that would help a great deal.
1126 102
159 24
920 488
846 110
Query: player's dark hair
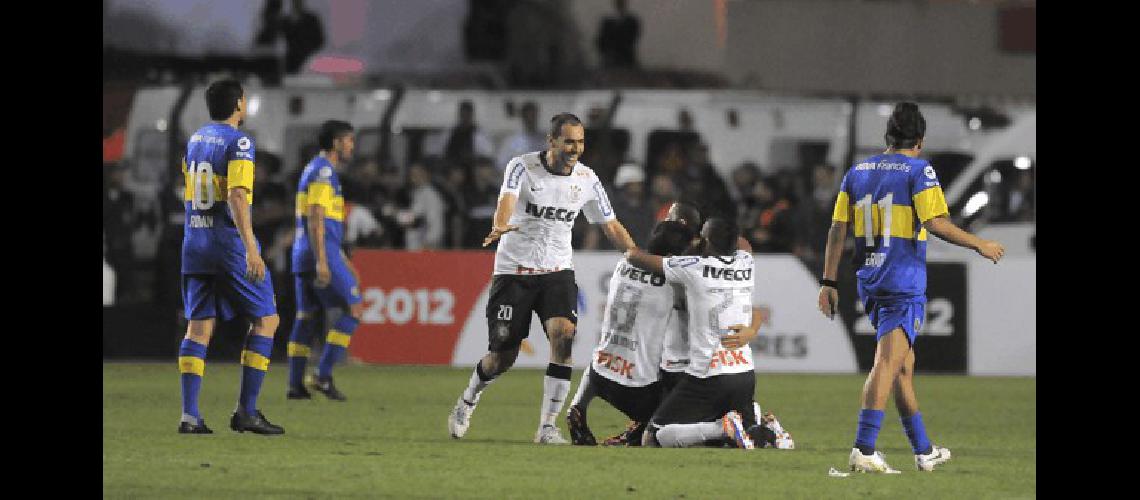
330 131
222 98
721 234
561 119
669 237
690 215
906 126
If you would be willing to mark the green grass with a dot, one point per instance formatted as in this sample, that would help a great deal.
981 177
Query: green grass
390 441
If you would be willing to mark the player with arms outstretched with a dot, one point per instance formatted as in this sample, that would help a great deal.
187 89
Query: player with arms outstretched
891 200
542 194
222 270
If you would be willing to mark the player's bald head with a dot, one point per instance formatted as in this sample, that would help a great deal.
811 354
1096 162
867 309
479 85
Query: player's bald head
720 235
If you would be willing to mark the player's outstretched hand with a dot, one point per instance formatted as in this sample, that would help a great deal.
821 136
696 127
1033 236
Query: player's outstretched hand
991 250
323 275
828 301
254 267
496 232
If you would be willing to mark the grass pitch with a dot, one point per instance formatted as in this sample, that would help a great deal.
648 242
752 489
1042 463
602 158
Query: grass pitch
390 440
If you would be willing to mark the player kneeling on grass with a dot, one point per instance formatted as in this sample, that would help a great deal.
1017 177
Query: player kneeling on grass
713 399
623 370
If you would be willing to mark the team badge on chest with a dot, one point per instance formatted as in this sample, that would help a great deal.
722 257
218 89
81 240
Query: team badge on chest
575 193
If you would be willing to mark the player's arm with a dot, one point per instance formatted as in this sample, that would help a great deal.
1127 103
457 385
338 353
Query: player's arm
744 334
645 260
499 225
618 235
316 229
942 227
513 179
836 238
237 197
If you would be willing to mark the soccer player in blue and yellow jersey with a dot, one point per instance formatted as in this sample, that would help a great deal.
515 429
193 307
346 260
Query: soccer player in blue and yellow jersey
222 270
324 277
891 200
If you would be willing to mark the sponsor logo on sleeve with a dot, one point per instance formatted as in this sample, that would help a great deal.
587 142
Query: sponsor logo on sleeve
929 171
682 261
326 172
243 143
603 200
516 175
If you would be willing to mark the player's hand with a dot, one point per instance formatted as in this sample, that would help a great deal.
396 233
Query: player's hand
323 275
496 232
828 301
991 250
741 335
254 267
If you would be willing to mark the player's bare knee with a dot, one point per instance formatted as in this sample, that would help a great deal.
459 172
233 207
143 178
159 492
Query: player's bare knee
561 329
266 326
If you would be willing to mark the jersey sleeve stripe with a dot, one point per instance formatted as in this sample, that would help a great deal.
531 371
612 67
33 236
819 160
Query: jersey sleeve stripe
930 203
239 173
842 212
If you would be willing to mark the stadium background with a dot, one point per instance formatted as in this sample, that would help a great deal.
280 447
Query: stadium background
729 104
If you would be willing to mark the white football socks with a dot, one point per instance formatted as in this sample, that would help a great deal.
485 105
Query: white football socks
685 435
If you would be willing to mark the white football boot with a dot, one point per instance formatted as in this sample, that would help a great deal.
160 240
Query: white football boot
937 456
874 463
460 418
549 434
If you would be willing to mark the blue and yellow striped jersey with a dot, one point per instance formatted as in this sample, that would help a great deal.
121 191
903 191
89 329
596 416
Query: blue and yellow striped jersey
886 198
319 185
218 158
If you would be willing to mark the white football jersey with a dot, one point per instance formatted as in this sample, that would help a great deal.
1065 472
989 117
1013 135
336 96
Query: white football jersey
675 351
718 292
633 324
547 205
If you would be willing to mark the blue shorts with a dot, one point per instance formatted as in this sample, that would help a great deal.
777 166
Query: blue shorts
885 317
342 290
226 294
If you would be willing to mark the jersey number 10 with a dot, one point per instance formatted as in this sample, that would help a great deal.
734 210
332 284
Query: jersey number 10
202 178
869 221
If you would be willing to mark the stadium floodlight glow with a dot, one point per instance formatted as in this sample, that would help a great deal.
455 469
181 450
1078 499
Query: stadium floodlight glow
382 94
975 123
1022 162
254 104
976 202
885 110
435 96
995 176
160 125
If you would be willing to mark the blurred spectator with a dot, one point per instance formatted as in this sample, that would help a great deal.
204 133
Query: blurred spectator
304 36
543 45
361 228
266 46
484 199
663 194
702 185
768 223
617 38
744 179
424 220
606 146
108 278
630 206
119 224
813 217
466 141
527 140
455 189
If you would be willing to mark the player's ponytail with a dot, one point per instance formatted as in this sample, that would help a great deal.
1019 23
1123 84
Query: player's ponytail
906 127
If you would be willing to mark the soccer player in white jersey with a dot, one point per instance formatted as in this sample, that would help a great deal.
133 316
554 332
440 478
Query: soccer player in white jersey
713 399
542 194
623 370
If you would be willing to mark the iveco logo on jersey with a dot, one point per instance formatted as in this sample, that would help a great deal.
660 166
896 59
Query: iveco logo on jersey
551 213
636 274
727 274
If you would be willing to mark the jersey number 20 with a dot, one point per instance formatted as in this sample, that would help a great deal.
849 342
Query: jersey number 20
202 178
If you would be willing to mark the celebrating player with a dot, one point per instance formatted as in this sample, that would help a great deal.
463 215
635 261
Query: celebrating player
542 194
222 269
882 197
